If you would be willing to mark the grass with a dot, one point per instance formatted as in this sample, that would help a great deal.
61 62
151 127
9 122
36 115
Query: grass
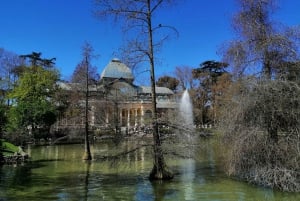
8 148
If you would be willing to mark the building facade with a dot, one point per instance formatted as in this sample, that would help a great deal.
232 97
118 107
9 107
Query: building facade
115 103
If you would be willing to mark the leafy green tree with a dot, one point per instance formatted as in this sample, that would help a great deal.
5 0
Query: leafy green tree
34 108
169 82
213 77
2 117
210 71
36 60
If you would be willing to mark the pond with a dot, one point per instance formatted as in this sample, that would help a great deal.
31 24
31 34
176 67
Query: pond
57 173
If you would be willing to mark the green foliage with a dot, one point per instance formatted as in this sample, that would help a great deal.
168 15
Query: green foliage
169 82
2 117
2 123
34 106
8 148
214 80
35 83
210 70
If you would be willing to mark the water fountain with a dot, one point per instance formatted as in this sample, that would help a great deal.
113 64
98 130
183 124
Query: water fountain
187 122
186 110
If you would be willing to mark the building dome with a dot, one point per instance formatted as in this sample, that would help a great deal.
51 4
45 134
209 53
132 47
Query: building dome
115 69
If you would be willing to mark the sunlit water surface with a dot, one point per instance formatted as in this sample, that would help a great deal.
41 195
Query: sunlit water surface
58 173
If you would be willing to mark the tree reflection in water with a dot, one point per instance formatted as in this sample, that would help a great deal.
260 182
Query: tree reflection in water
58 173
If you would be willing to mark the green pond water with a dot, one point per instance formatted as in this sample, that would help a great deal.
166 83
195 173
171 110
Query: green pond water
57 173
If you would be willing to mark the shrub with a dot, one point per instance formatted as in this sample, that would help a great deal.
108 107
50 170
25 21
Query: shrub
261 125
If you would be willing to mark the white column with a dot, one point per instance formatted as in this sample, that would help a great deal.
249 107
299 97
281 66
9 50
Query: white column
120 116
128 118
142 115
135 117
106 118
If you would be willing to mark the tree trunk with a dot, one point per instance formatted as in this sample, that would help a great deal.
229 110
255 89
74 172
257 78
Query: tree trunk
87 152
159 171
272 129
1 146
267 67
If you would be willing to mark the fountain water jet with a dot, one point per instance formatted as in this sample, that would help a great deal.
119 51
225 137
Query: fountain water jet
187 118
186 110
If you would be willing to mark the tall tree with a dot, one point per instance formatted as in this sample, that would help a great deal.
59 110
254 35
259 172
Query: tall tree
261 46
260 122
83 74
210 70
258 108
34 106
213 77
87 54
138 15
79 74
36 60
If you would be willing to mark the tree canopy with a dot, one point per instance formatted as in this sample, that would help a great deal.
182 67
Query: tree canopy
169 82
261 118
262 45
34 107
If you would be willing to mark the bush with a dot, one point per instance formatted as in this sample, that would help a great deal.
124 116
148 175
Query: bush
261 125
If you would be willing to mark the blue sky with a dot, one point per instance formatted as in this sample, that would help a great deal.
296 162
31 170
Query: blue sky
59 28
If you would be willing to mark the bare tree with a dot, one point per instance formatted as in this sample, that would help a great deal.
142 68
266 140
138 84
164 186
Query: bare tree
87 54
82 77
250 114
79 74
185 77
262 45
138 15
261 119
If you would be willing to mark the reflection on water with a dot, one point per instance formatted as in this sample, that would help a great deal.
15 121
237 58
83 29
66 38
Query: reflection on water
187 176
58 173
